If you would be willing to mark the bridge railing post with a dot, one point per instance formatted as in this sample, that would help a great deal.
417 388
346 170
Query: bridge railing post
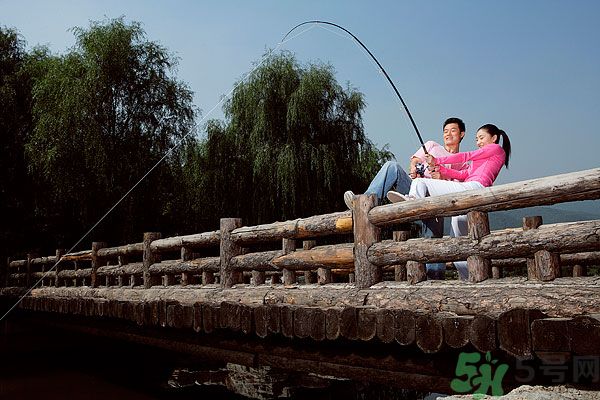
229 249
59 254
480 268
365 234
289 276
528 224
96 262
5 273
149 257
309 276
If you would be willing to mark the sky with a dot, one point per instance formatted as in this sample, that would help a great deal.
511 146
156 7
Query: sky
531 67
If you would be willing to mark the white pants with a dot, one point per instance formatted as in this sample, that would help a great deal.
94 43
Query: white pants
423 187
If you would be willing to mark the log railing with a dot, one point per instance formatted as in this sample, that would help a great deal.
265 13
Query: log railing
229 256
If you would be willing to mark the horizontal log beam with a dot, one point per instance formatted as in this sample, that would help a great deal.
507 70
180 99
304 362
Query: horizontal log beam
126 250
256 261
85 255
302 228
564 237
72 274
337 256
582 185
116 270
199 265
206 239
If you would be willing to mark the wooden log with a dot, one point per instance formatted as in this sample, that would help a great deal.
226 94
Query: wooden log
302 322
287 320
584 332
149 257
258 278
260 321
135 249
349 321
479 267
547 265
318 323
385 325
210 317
514 331
405 327
261 261
579 270
582 185
197 324
365 234
332 323
85 255
274 319
230 316
482 333
550 334
303 228
57 265
457 330
366 323
323 276
415 272
400 269
429 333
309 276
329 256
246 318
563 237
288 246
228 250
528 224
28 270
198 240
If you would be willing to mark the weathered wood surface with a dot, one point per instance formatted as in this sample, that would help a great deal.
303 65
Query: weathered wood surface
228 250
116 270
567 237
329 257
302 228
365 234
261 261
85 255
42 260
126 250
199 240
149 257
582 185
74 274
199 265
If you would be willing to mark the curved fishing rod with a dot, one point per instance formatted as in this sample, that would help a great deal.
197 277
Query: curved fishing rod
378 64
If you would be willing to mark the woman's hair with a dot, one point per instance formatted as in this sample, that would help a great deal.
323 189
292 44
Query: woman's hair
494 130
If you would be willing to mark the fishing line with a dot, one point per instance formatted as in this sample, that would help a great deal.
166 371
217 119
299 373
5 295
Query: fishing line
316 22
176 145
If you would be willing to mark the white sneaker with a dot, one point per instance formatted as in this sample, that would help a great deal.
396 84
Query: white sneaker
396 197
349 199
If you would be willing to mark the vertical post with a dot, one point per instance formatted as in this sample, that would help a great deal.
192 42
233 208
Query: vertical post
365 234
5 273
75 267
415 272
28 270
528 224
59 254
149 257
400 270
186 255
228 250
579 270
309 276
480 268
95 262
288 246
258 277
547 265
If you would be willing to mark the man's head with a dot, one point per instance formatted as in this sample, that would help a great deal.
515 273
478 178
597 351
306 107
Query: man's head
454 131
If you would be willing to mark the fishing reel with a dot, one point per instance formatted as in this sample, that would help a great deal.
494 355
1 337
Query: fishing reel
420 168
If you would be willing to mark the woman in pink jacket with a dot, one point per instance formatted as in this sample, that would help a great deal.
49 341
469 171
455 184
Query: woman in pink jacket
486 163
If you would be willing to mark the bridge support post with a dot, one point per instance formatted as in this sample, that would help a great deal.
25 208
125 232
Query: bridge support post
149 257
186 255
289 276
528 224
365 234
28 270
59 254
480 268
400 269
309 276
96 262
228 250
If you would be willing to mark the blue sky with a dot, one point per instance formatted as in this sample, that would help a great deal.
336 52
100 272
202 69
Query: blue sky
531 67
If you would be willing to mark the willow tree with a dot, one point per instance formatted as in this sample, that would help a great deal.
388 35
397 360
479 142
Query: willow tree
104 113
292 142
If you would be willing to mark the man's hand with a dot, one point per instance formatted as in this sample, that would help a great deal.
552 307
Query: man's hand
431 161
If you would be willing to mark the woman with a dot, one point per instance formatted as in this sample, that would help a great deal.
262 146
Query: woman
486 163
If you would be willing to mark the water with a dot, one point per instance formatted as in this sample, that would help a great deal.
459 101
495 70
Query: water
39 362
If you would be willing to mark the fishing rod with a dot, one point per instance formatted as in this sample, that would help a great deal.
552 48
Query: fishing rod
378 64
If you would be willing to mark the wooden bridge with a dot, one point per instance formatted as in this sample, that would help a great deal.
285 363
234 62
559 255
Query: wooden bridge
271 295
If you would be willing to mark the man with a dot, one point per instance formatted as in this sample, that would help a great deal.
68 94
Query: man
392 175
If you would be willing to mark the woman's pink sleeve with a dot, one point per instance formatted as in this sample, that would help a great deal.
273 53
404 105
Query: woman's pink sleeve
459 175
479 154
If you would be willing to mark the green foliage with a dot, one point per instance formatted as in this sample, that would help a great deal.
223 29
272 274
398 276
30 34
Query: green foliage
292 143
104 114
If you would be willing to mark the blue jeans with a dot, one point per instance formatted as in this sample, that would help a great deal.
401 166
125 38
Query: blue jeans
392 175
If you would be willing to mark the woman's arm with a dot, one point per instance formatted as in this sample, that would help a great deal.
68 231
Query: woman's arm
479 154
449 173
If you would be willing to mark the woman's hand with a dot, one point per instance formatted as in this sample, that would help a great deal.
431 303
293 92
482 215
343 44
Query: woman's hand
430 161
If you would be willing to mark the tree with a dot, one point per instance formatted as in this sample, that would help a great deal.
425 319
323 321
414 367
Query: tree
292 143
104 114
15 124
